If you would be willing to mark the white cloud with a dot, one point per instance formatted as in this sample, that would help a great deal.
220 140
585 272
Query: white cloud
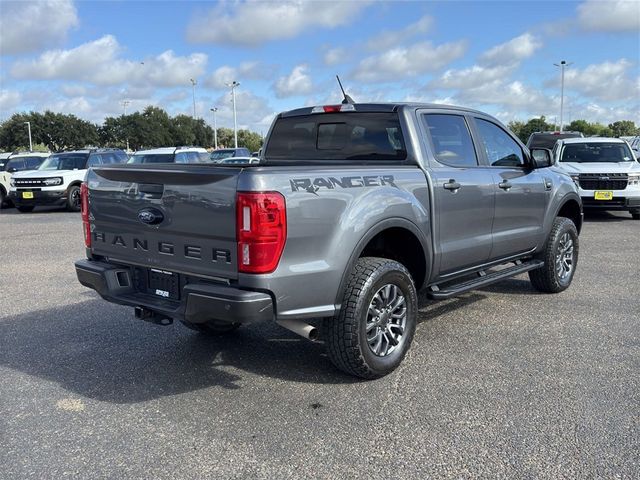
247 70
403 62
99 62
513 51
31 26
507 94
253 22
610 16
389 39
334 56
9 99
252 111
472 77
298 82
608 81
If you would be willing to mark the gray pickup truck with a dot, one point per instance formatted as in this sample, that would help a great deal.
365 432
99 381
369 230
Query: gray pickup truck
352 209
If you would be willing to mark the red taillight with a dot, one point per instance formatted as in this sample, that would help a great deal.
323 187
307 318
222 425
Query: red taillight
261 224
84 213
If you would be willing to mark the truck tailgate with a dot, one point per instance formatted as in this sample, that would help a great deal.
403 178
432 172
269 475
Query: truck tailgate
177 217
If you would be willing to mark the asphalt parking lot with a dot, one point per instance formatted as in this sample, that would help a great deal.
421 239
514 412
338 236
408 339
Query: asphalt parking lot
502 382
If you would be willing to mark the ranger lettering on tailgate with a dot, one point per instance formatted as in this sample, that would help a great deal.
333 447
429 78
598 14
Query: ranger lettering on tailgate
161 247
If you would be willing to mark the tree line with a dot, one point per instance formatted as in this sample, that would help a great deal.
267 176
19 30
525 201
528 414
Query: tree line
151 128
616 129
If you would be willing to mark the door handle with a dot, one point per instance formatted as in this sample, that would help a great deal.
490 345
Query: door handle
451 185
505 185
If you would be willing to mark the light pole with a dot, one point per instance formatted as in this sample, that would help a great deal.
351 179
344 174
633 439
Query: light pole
193 87
563 64
125 104
28 124
233 86
215 128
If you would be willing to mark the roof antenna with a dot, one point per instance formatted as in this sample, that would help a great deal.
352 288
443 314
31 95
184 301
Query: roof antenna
347 98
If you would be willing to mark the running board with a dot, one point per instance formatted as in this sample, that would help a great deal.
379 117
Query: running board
483 280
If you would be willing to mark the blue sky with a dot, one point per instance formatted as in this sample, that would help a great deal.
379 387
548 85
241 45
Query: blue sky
87 57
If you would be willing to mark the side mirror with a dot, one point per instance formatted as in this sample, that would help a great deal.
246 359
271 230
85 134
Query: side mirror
541 157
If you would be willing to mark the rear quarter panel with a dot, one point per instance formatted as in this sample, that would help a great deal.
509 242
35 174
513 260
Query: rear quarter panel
329 211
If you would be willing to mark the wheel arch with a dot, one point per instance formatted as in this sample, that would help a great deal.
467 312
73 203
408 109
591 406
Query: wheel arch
571 208
389 232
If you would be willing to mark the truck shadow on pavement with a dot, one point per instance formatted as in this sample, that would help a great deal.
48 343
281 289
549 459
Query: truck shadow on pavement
98 350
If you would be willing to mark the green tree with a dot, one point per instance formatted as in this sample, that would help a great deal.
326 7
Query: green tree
524 130
56 131
623 128
250 140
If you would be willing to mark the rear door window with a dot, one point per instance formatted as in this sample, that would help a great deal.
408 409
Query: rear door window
451 140
338 137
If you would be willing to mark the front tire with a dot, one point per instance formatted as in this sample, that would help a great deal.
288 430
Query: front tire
635 214
73 199
372 333
560 256
212 328
25 208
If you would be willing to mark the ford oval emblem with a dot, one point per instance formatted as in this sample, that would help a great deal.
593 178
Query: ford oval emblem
150 216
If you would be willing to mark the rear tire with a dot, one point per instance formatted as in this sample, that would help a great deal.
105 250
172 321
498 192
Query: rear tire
560 257
73 199
635 215
372 333
25 208
3 198
212 328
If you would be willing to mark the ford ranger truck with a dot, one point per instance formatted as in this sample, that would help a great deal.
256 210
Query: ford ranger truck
352 209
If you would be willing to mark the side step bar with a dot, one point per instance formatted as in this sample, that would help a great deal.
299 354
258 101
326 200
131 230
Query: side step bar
483 280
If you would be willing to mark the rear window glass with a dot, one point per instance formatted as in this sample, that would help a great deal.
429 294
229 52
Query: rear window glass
335 137
153 158
547 140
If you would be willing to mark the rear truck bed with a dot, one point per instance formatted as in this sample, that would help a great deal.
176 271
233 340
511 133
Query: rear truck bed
163 240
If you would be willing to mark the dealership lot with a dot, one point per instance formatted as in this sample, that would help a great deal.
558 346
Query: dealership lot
499 382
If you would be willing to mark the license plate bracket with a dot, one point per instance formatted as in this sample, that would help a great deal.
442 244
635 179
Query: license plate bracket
163 284
27 195
603 195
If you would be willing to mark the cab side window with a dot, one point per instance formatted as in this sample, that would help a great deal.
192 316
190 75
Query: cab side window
451 140
501 149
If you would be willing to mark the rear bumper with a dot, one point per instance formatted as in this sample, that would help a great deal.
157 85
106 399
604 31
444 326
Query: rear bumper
40 197
199 302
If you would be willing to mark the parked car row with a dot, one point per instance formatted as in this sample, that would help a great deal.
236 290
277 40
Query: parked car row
30 179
